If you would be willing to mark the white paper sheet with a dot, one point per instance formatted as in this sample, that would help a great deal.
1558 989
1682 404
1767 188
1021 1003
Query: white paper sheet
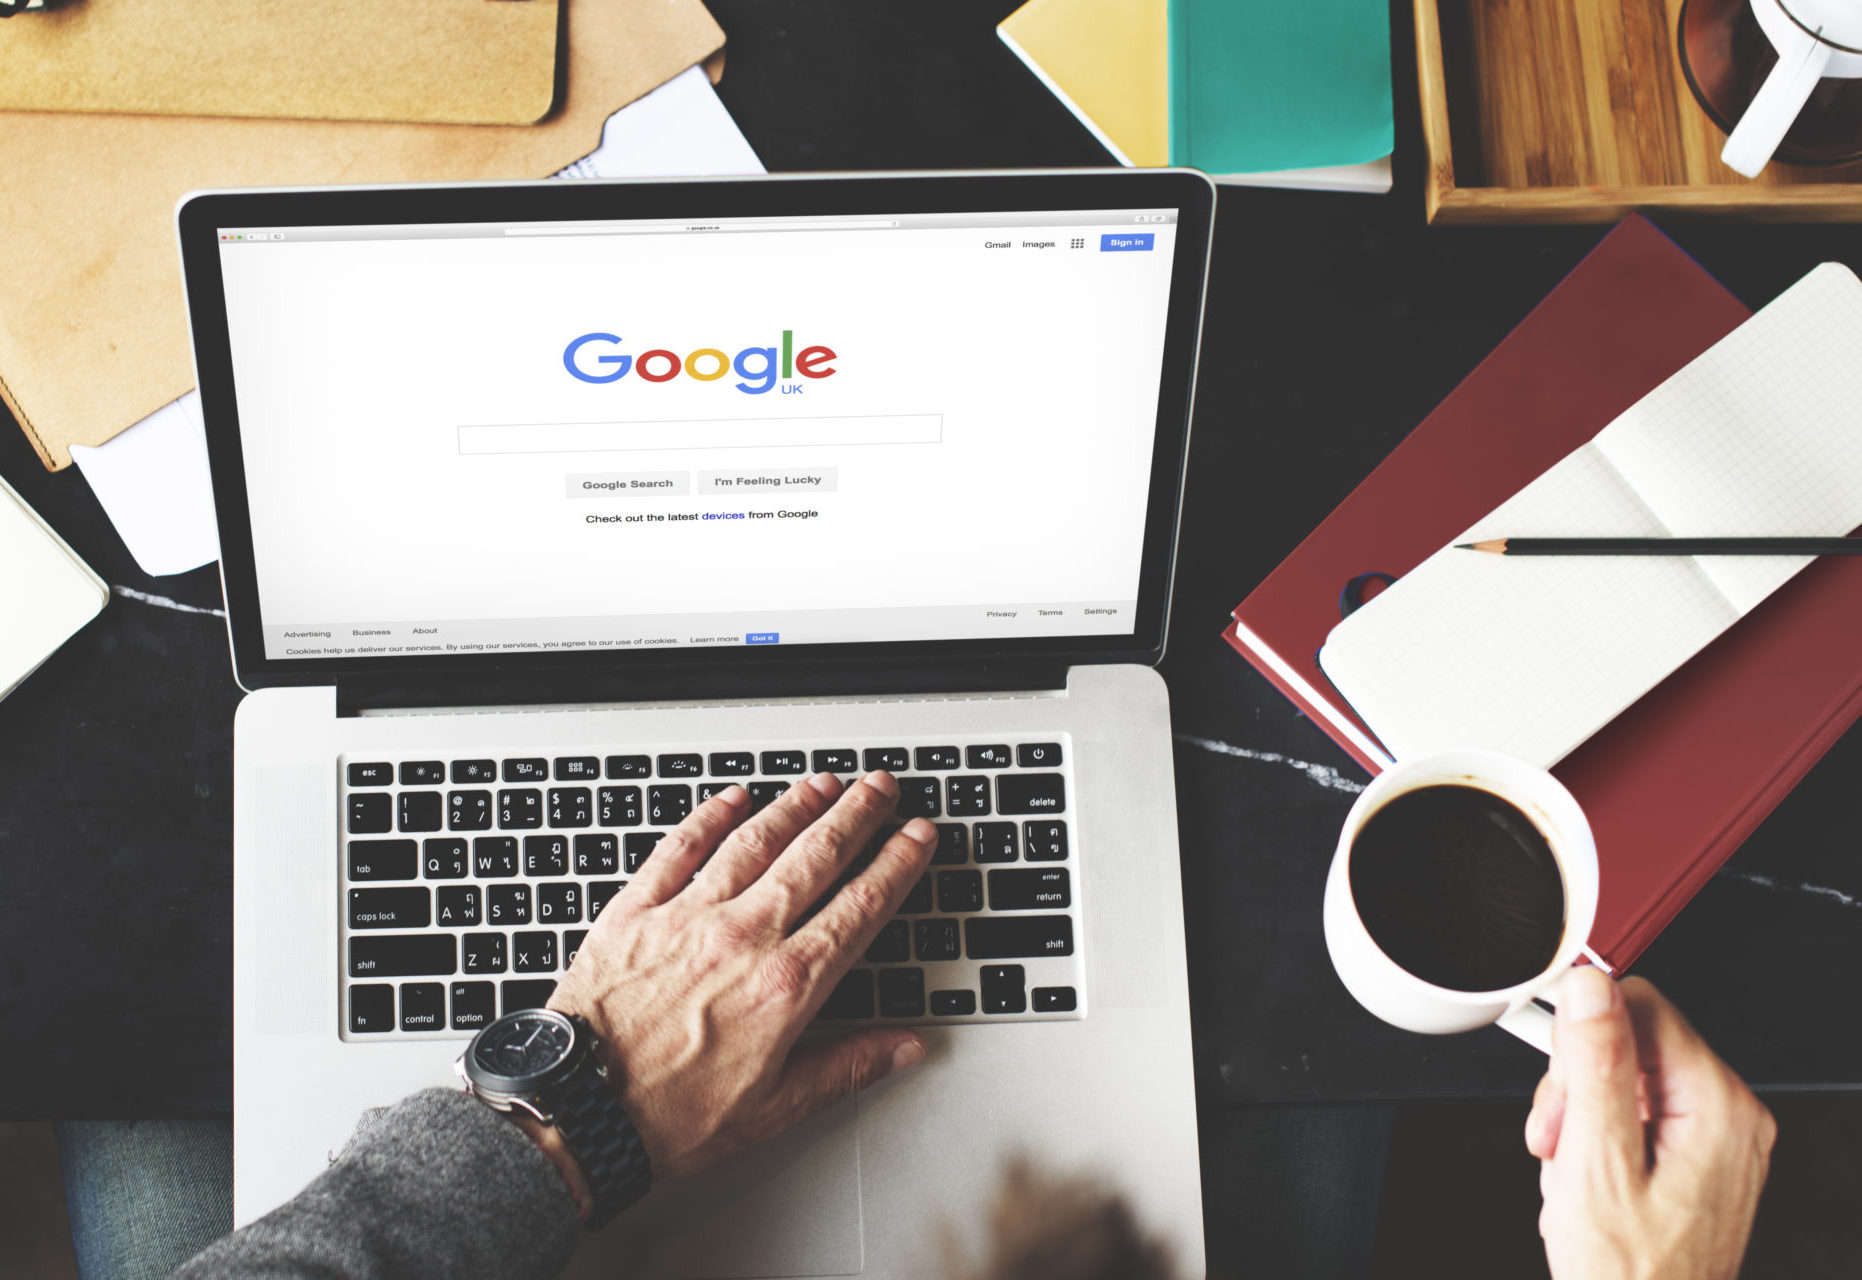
152 479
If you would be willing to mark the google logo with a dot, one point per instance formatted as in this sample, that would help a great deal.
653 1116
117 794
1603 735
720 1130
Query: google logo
757 366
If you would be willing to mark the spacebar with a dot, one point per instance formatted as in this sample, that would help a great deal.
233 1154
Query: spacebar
986 938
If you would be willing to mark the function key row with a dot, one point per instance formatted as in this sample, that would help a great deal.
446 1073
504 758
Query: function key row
719 764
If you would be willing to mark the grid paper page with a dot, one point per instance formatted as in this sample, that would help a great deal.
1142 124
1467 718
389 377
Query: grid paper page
1531 655
1760 436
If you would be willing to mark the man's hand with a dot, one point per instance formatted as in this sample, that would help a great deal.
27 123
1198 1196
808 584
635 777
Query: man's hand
1627 1199
700 976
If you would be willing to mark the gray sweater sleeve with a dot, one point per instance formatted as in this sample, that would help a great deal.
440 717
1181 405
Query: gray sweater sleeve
436 1185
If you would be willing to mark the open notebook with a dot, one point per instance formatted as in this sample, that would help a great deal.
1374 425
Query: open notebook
46 592
1759 436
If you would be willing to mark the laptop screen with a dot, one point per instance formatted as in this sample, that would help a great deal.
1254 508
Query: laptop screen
489 438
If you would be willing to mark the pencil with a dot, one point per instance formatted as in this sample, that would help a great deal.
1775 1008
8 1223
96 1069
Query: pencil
1667 546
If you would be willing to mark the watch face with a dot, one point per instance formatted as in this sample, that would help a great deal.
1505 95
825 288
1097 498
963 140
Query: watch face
523 1045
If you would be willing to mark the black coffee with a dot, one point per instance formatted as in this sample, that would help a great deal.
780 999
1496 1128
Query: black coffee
1458 887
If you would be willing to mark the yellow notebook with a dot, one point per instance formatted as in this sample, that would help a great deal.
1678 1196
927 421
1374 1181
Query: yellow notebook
1108 61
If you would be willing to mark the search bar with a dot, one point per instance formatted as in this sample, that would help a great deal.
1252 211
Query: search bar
662 228
701 433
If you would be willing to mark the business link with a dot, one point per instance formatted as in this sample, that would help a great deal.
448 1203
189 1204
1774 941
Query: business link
695 517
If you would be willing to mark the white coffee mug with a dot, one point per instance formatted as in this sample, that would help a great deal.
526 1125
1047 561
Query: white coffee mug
1814 39
1398 996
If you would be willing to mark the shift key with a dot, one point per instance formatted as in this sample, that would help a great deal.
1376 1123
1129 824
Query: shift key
1031 793
1011 937
403 955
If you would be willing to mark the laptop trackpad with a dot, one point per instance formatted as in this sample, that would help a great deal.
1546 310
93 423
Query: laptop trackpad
787 1208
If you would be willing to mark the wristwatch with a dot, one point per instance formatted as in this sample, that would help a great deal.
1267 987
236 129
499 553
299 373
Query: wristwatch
546 1063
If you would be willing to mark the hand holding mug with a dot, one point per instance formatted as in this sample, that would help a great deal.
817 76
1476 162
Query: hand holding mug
1624 1199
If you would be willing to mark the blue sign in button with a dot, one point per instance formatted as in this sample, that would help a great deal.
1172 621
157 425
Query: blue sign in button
762 637
1126 242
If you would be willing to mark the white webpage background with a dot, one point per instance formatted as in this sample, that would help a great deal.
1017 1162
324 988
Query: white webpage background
356 361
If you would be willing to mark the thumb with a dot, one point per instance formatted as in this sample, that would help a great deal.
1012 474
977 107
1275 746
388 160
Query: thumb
821 1074
1595 1047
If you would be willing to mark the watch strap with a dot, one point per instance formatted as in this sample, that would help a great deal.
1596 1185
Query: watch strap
606 1144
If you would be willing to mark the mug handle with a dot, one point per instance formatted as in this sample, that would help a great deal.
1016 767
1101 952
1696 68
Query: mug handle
1774 108
1530 1022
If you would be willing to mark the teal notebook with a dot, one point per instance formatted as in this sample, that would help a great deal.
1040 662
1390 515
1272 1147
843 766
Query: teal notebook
1279 84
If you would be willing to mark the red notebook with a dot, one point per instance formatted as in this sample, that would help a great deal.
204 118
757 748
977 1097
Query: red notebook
1674 784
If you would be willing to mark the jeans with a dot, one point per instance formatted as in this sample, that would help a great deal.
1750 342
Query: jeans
145 1195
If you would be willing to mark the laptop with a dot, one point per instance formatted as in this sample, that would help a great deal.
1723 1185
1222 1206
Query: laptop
548 509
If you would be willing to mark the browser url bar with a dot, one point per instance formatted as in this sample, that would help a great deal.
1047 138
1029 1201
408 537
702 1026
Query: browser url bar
622 229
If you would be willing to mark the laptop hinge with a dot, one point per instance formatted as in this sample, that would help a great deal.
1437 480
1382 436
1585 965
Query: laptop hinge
491 688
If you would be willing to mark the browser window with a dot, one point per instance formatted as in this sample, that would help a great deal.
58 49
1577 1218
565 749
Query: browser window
481 438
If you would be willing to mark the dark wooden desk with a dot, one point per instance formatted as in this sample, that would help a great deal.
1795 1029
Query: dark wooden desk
1335 323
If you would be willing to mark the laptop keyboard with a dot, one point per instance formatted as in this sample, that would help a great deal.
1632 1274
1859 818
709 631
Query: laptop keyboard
469 883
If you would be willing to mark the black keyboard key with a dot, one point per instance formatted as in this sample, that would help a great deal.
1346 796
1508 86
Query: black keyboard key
918 901
404 955
995 756
669 806
1031 793
618 807
996 842
1007 937
969 796
456 906
763 794
837 760
533 952
689 765
419 810
494 857
371 1007
482 953
852 997
1005 988
546 855
443 859
959 891
901 993
562 903
732 764
469 771
891 759
370 775
953 845
1054 1000
635 846
389 909
520 810
600 893
474 1005
918 798
629 767
423 1006
371 813
423 773
893 945
1038 755
525 993
577 768
1047 841
708 789
953 1004
928 758
597 855
468 810
529 769
571 945
383 859
937 940
507 904
784 762
569 807
1046 889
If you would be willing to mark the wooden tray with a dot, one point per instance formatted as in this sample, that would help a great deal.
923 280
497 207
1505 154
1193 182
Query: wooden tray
1578 111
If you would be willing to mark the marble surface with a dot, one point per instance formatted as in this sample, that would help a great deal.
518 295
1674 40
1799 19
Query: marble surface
1335 323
